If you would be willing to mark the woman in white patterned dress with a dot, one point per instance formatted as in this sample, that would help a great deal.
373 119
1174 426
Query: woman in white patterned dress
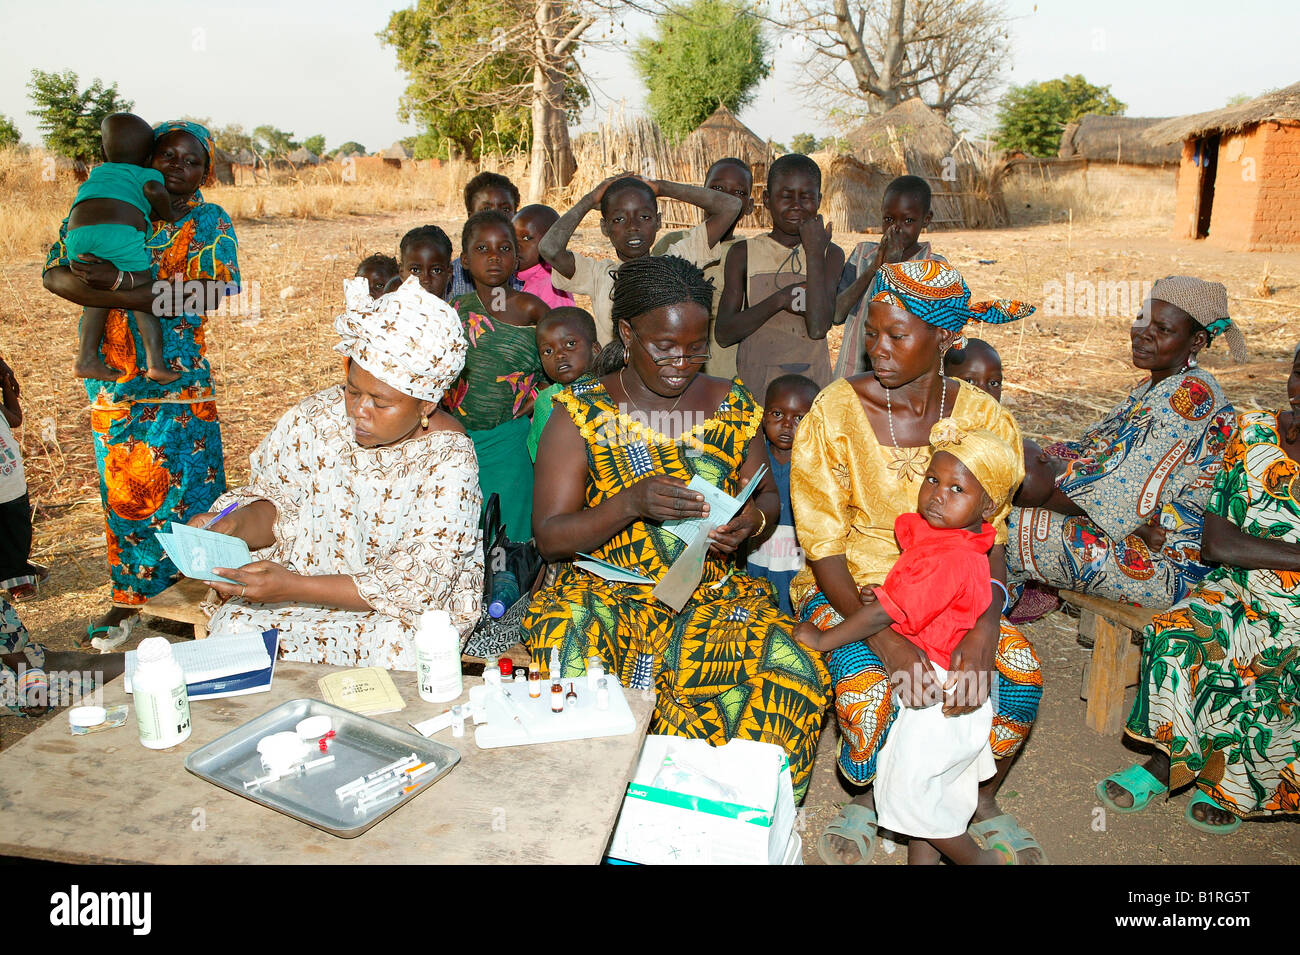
362 511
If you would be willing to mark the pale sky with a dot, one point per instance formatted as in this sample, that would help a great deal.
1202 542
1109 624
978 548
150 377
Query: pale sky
317 67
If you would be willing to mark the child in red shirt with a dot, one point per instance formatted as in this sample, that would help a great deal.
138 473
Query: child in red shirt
930 766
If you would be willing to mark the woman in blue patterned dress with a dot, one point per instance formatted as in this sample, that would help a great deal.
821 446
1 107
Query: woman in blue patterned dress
157 447
1123 520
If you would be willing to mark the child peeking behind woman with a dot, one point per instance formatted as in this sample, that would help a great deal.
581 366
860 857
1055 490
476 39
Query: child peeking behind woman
930 766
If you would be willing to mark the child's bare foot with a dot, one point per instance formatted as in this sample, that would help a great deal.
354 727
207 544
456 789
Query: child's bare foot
161 375
96 369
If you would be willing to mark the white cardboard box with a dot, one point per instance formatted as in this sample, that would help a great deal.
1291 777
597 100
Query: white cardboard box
690 803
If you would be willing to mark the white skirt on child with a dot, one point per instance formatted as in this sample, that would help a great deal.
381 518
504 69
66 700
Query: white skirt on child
929 770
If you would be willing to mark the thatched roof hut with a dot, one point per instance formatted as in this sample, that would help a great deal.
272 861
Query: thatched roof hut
1255 204
398 151
223 167
1280 105
909 132
852 192
302 156
723 135
1116 139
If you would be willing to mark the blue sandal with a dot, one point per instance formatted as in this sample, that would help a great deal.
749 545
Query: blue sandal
1201 799
1135 781
1004 834
856 824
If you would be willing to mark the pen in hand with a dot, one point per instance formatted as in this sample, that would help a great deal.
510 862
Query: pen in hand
225 511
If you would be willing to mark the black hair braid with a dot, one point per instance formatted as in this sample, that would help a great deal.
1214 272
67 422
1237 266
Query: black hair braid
482 217
426 233
645 284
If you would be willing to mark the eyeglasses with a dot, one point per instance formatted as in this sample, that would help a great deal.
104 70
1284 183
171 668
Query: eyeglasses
671 359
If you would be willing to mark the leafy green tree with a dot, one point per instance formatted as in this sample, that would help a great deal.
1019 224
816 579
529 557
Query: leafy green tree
1032 117
315 144
274 142
803 143
706 54
69 118
9 135
350 148
233 139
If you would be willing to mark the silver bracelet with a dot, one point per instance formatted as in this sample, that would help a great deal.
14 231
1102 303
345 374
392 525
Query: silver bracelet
118 283
1006 595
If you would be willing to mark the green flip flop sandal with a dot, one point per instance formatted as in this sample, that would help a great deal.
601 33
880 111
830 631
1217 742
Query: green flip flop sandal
1006 835
1201 799
1136 781
856 824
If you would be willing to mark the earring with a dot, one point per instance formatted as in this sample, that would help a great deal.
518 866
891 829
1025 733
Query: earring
1191 362
424 422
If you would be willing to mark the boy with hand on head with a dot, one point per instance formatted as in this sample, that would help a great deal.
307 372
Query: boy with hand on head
734 177
778 299
531 225
567 345
931 764
778 558
487 190
629 217
378 270
426 254
904 212
110 221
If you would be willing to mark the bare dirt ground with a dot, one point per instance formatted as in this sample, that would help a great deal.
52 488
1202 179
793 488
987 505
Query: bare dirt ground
1062 373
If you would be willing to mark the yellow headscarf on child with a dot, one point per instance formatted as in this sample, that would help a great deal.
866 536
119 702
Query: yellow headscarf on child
995 464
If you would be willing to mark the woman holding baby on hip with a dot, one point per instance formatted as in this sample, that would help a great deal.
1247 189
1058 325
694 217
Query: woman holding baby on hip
157 443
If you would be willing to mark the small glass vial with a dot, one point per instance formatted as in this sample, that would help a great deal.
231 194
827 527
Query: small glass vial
457 720
571 698
595 671
555 663
602 694
557 697
521 676
535 684
491 675
506 666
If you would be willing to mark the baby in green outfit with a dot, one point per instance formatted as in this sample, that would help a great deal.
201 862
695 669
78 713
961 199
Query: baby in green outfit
110 220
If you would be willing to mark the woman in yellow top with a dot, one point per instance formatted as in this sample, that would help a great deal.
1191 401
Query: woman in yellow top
858 463
618 453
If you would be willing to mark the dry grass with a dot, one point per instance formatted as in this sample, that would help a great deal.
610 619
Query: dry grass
1098 195
1061 372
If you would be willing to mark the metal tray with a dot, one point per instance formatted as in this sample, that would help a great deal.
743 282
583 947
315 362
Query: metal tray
361 745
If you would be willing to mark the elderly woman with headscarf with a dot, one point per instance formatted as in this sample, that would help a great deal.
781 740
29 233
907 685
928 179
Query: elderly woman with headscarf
363 507
1124 518
157 446
1220 677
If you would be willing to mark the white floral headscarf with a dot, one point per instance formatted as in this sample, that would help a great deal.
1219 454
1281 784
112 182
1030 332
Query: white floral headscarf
409 339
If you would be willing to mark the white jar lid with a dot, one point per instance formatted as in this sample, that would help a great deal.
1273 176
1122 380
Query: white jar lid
87 715
313 727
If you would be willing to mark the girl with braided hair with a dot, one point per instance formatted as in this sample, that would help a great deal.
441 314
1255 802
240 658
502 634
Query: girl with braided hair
618 452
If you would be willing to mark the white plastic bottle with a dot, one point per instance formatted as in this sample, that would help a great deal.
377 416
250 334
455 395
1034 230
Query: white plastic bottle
162 707
437 658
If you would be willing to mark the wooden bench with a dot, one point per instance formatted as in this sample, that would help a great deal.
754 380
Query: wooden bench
1116 630
180 602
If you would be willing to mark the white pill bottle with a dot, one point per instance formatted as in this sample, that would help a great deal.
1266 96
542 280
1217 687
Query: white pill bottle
162 707
437 658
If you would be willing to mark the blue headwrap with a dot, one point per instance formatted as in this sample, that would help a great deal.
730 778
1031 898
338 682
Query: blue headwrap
936 293
200 133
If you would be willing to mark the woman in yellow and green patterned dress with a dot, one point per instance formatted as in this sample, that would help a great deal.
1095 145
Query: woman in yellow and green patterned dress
1219 690
618 453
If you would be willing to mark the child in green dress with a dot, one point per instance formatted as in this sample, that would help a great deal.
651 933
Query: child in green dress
110 220
493 398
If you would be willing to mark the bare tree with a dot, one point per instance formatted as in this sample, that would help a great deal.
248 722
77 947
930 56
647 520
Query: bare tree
948 53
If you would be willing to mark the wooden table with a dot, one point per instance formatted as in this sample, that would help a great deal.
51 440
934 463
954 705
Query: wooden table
105 798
